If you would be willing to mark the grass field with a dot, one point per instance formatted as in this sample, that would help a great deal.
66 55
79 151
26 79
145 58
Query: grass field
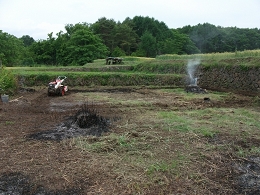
162 140
174 136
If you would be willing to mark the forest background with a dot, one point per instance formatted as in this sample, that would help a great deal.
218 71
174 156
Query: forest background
140 36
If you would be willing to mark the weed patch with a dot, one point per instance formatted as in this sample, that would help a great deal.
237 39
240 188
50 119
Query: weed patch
8 83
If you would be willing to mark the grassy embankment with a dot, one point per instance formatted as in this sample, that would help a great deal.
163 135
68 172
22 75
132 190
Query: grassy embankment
97 74
162 71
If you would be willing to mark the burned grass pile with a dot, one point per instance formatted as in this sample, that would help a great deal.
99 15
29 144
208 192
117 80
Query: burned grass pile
85 122
194 89
20 184
249 170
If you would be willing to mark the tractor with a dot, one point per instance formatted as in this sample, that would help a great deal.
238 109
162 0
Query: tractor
56 87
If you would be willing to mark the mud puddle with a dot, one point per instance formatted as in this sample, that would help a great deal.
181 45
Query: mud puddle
85 122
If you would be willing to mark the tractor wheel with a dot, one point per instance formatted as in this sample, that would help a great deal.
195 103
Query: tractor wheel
62 92
58 92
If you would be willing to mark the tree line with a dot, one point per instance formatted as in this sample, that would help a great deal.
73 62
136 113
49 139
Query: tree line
140 36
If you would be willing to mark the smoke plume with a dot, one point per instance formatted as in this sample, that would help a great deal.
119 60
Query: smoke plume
191 69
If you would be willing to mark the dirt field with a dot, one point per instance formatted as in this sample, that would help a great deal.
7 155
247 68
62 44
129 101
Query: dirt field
126 148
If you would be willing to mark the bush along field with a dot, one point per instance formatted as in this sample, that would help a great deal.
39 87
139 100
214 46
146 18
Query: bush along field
129 129
8 83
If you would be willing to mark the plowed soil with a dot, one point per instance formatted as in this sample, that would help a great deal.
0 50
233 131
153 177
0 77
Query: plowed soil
38 154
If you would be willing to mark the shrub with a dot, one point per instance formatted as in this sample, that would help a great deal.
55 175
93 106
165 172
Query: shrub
8 82
118 52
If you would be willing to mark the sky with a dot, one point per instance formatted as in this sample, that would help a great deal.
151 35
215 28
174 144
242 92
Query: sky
37 18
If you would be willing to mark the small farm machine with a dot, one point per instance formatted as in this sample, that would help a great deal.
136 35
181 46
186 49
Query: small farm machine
56 87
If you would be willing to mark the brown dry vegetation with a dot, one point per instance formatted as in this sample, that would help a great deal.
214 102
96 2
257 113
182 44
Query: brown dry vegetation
160 141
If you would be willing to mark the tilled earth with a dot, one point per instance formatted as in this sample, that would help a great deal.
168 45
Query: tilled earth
36 157
33 158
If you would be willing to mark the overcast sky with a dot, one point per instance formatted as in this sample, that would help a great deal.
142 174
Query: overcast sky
37 18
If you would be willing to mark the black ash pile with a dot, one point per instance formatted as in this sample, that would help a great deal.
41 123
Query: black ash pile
19 184
249 178
85 122
194 89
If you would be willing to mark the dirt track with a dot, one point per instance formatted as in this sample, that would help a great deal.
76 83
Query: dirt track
32 166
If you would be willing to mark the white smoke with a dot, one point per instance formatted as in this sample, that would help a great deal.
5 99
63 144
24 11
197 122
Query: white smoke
191 69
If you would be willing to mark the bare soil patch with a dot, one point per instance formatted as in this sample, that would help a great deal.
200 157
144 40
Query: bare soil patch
40 153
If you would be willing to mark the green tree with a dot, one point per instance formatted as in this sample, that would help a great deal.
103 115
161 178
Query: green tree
164 38
125 38
241 39
27 40
148 44
203 34
77 46
84 47
118 52
44 51
159 30
178 44
11 49
61 45
105 29
209 38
